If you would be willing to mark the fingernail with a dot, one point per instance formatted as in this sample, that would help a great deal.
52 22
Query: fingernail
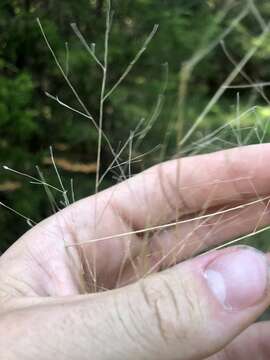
238 279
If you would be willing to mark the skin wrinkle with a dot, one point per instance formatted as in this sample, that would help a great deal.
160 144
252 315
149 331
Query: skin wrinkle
145 247
166 328
177 189
105 208
126 260
185 206
144 292
25 292
173 296
79 259
128 226
131 273
48 272
22 288
9 324
78 313
143 340
176 236
210 200
39 265
131 336
60 255
155 301
130 220
86 278
129 248
155 251
5 298
130 263
146 202
126 221
116 213
164 187
234 180
86 330
232 174
115 204
191 310
160 322
148 255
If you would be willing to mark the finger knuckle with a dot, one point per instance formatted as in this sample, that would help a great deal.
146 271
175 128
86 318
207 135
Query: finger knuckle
174 305
170 186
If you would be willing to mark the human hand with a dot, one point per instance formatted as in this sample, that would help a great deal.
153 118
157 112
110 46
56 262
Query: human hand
188 309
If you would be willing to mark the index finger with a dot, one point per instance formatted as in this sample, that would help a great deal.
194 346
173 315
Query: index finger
188 185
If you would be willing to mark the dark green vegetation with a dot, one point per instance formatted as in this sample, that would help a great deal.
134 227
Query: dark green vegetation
187 39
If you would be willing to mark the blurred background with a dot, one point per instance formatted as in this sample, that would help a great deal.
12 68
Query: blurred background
198 45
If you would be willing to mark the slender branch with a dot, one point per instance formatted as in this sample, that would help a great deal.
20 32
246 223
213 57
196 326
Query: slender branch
133 62
103 89
227 82
243 73
257 14
67 58
84 42
48 191
64 191
63 72
87 113
29 221
32 178
188 66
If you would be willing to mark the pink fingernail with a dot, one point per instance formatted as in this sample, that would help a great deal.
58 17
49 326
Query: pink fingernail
238 279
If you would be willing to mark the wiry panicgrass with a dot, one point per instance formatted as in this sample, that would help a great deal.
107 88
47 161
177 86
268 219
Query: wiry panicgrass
242 126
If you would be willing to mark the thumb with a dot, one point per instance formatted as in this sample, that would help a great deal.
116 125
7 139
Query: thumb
194 309
190 311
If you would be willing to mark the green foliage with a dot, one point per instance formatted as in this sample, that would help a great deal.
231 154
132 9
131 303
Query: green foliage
16 113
